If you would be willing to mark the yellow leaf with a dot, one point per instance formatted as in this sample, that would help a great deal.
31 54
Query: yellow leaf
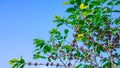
67 21
82 6
12 61
79 36
55 17
66 3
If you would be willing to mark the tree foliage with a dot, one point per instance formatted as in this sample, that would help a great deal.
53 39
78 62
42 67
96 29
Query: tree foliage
95 42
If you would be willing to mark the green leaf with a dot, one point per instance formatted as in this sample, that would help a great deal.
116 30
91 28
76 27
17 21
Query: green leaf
66 3
98 50
58 37
91 6
110 3
56 17
64 57
70 10
107 65
15 65
104 60
59 24
65 37
19 65
67 47
87 1
106 10
116 11
53 53
22 66
45 49
22 60
39 43
118 61
72 16
13 61
82 56
85 13
36 56
78 66
95 3
43 57
71 1
117 20
54 32
89 16
87 66
77 53
66 31
37 49
49 59
117 3
104 1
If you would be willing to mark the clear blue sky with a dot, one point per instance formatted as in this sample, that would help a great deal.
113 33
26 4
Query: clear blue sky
23 20
20 22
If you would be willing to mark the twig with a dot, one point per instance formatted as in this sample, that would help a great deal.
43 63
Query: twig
63 62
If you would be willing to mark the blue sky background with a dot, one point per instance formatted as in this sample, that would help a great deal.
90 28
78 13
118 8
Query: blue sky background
20 22
23 20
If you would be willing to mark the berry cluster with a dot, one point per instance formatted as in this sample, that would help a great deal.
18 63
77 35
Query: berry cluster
46 64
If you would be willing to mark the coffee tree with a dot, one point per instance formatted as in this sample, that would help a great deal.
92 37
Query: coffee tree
95 37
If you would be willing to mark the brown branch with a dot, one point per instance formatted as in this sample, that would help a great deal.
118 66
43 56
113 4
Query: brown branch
46 64
63 62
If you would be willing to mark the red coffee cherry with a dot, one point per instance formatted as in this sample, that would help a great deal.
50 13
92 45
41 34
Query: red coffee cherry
52 64
35 64
72 44
47 64
57 64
